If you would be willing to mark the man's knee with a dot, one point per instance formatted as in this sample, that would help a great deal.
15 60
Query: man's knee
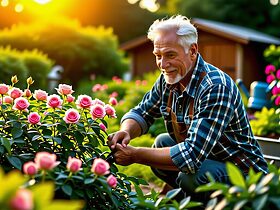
163 140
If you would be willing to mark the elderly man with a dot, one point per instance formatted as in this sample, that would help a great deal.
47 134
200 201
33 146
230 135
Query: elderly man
205 118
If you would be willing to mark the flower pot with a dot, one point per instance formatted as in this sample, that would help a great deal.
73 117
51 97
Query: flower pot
270 148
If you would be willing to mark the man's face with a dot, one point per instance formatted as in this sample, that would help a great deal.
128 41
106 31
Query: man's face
171 57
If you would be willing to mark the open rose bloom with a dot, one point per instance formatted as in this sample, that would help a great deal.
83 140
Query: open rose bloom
100 167
46 161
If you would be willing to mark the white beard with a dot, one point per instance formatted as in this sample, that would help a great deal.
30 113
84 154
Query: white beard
172 81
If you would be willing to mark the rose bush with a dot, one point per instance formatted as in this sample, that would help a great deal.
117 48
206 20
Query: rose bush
57 138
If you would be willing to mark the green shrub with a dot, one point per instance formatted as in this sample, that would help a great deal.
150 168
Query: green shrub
82 51
24 64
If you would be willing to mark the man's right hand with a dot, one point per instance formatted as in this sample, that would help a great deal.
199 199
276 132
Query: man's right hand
121 137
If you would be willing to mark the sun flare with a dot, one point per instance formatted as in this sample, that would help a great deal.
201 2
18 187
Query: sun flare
42 1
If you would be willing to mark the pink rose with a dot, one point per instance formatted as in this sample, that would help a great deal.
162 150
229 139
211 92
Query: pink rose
110 111
114 94
73 164
15 93
278 74
21 104
33 118
97 111
112 181
96 88
275 90
102 126
70 98
269 69
84 101
4 89
8 100
54 101
270 78
64 89
100 167
40 95
113 101
144 82
277 101
71 116
98 101
30 168
22 200
138 82
27 93
45 160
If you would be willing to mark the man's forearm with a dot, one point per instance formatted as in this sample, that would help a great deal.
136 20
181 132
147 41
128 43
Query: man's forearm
155 157
132 127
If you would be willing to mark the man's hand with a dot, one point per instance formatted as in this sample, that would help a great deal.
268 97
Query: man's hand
121 137
124 155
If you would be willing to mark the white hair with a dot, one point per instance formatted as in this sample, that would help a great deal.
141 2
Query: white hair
186 31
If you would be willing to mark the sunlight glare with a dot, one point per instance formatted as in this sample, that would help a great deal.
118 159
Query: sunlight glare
4 3
42 1
150 5
19 8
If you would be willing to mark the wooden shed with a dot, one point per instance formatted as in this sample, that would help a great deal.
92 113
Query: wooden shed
236 50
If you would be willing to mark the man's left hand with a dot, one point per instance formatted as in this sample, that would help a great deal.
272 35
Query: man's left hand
124 155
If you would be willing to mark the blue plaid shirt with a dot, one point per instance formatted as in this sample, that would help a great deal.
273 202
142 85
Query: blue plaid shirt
219 130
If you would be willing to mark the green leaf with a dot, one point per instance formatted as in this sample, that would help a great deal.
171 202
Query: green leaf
240 204
260 202
139 192
235 175
275 201
6 143
67 189
57 140
88 181
172 193
61 128
15 162
16 132
184 202
79 137
34 138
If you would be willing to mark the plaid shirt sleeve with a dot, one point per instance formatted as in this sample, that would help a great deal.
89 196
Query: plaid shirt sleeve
213 112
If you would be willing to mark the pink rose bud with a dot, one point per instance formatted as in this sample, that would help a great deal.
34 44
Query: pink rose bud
64 89
40 95
100 167
54 101
110 111
22 200
8 100
15 93
71 116
45 160
30 168
275 90
33 118
112 181
278 74
84 101
104 87
277 101
113 101
114 94
102 126
96 88
73 164
269 69
27 93
97 111
98 101
138 82
21 104
4 89
144 82
70 98
270 78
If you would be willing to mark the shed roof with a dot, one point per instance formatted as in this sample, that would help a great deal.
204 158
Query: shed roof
236 33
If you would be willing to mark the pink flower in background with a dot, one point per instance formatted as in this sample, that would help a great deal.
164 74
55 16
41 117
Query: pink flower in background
54 101
270 78
4 89
269 69
27 93
33 118
22 200
45 160
74 164
112 181
8 100
96 88
275 90
40 95
70 98
71 116
113 101
114 94
30 168
64 89
97 111
15 93
98 101
100 167
278 74
21 104
102 126
144 82
277 100
138 82
84 101
110 111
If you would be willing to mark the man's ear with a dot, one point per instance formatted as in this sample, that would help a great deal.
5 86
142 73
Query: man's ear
193 50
